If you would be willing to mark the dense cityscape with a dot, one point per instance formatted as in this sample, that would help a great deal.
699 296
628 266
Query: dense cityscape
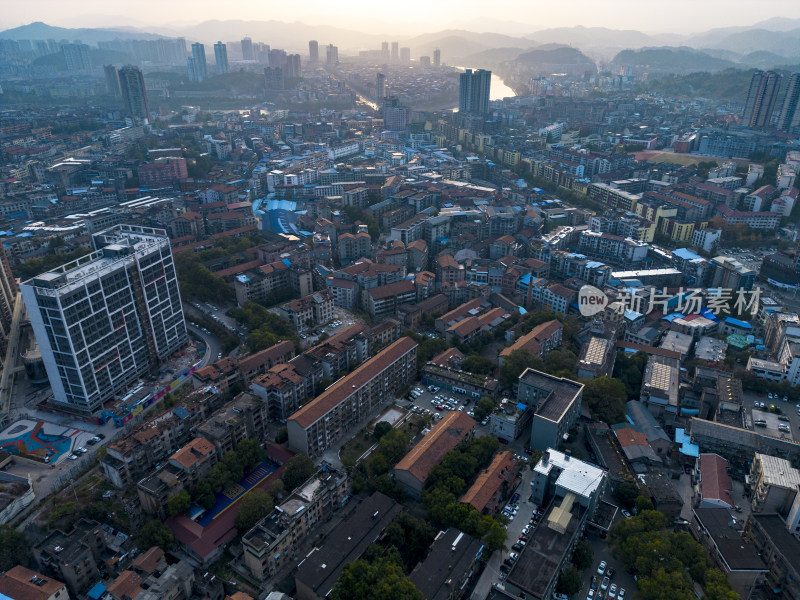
315 312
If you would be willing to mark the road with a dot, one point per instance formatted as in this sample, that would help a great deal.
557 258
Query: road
213 347
7 379
491 574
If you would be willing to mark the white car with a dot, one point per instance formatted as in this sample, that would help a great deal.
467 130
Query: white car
601 568
621 594
612 591
513 556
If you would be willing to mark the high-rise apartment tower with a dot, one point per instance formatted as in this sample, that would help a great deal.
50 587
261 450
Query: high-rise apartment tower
134 94
473 92
761 99
104 320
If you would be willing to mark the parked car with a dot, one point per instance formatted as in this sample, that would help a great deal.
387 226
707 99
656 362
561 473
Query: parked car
612 591
610 573
593 585
625 514
517 547
621 594
513 556
604 584
601 568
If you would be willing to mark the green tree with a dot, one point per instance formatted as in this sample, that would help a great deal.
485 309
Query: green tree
606 398
496 535
276 488
626 492
393 446
515 364
381 429
582 556
15 549
380 580
483 408
254 506
642 503
155 533
297 470
475 363
629 369
282 435
179 503
569 581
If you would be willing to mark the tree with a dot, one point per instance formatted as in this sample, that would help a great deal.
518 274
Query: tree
282 435
569 582
630 370
483 408
393 446
606 398
475 363
643 504
381 429
297 470
276 488
255 505
495 537
155 533
380 580
179 503
582 556
515 364
626 492
14 548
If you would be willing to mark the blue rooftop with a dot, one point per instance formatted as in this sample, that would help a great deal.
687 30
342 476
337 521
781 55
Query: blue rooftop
685 441
685 254
738 323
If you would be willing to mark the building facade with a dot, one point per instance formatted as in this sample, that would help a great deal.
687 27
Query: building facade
103 321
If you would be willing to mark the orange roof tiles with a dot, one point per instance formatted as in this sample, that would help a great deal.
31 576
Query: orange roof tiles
445 435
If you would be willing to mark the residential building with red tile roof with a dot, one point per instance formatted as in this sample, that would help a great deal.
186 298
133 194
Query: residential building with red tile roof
414 468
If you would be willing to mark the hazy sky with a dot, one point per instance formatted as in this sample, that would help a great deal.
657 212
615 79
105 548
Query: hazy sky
408 16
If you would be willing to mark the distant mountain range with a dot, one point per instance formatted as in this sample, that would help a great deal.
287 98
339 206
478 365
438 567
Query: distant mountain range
766 44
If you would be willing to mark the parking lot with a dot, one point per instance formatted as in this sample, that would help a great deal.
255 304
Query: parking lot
428 402
622 579
785 424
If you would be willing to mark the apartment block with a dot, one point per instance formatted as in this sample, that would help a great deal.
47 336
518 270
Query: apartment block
259 283
275 540
284 387
308 311
103 321
348 402
73 557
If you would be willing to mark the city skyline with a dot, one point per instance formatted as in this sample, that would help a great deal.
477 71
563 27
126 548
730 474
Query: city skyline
527 18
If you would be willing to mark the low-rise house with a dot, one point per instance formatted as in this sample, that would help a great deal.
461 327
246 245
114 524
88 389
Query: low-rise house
414 468
494 485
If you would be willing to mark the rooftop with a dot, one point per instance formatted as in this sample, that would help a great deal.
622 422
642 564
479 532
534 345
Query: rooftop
340 390
574 475
489 481
778 471
346 543
562 393
738 554
20 583
715 483
450 557
443 437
